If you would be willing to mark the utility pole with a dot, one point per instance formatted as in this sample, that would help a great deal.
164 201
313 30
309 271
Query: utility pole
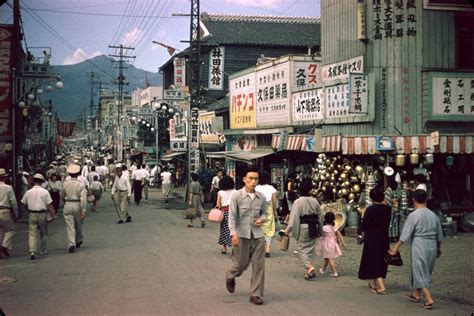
91 104
121 59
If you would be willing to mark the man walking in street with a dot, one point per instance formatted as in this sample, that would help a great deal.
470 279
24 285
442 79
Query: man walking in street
247 213
74 195
38 202
124 189
138 180
8 213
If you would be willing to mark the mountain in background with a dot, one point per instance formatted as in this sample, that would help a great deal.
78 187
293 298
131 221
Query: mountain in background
71 101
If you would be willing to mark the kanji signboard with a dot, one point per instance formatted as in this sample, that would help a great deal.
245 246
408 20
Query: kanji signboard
242 102
341 70
358 86
308 105
216 68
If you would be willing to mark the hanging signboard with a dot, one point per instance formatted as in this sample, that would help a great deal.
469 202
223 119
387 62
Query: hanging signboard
452 96
194 143
7 62
273 89
242 112
337 101
308 105
341 70
194 160
206 128
358 87
179 64
216 68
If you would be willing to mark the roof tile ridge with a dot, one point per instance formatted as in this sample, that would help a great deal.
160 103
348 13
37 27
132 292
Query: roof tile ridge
227 17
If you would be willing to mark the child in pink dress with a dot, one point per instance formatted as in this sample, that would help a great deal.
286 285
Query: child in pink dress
328 246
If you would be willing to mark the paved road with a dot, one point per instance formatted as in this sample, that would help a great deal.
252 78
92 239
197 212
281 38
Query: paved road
157 266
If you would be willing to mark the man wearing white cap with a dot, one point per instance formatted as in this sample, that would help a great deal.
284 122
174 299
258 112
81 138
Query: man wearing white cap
122 185
74 195
38 202
8 209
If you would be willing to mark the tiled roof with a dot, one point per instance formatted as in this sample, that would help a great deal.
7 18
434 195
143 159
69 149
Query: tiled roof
261 30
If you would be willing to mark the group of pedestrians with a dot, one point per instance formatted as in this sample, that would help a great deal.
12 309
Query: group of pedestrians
247 211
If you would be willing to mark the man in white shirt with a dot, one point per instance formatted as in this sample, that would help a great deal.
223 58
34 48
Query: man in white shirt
92 174
38 202
8 213
122 186
103 171
138 179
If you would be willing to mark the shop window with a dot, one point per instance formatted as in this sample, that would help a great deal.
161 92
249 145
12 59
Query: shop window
465 41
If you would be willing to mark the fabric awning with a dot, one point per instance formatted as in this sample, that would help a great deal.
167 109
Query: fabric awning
172 155
248 156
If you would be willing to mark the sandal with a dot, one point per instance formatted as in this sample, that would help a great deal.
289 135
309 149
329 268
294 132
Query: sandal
190 226
427 306
413 298
379 292
372 286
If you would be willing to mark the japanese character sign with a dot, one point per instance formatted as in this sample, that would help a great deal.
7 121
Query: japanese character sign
273 95
453 96
358 84
341 70
306 74
337 101
308 105
242 112
216 68
179 71
393 19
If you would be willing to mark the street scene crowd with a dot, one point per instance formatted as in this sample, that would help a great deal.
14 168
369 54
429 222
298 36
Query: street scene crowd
249 218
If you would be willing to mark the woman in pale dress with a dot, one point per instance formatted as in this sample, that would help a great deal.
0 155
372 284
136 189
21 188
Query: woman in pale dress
423 228
54 188
328 245
166 183
196 198
227 188
269 192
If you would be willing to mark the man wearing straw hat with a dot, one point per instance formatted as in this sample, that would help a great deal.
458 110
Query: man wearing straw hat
124 189
74 195
8 209
38 202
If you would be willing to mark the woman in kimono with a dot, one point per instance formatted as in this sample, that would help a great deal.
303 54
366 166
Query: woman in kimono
305 205
423 229
375 224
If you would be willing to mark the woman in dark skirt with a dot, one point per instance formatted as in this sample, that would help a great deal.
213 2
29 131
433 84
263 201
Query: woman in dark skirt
375 224
226 190
54 188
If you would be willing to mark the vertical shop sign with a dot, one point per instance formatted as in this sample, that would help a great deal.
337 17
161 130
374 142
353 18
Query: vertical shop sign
361 25
358 102
337 101
194 128
391 16
277 177
411 18
194 160
6 64
383 101
399 18
308 105
179 64
377 23
216 68
273 89
406 94
242 102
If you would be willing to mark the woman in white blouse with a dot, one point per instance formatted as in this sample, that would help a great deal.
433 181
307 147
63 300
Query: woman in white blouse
54 188
226 186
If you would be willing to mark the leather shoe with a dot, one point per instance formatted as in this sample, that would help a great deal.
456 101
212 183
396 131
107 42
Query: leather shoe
230 285
120 222
256 300
5 252
129 219
32 256
72 249
79 244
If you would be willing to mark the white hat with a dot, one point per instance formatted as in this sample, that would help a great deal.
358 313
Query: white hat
39 176
25 173
73 169
2 172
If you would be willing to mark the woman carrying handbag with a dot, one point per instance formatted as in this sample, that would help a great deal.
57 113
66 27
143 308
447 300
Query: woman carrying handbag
226 190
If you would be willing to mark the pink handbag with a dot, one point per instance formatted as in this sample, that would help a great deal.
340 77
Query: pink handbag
216 215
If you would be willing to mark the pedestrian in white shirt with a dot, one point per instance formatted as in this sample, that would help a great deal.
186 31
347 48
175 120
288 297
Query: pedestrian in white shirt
124 189
166 183
8 213
138 180
38 202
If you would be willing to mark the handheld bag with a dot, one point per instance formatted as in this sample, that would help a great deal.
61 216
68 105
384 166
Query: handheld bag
190 213
285 243
216 215
393 260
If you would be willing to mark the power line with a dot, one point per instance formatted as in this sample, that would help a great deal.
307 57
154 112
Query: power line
105 14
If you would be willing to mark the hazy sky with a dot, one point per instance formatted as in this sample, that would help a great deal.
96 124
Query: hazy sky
80 29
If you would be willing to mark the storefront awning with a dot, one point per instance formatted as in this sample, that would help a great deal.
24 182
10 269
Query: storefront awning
248 156
170 156
300 142
216 154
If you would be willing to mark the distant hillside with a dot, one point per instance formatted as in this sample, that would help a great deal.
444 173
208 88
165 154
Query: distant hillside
70 101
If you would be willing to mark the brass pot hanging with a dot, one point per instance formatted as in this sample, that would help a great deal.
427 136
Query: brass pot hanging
400 160
343 176
414 158
356 188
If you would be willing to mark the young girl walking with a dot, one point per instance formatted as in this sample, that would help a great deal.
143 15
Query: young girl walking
328 246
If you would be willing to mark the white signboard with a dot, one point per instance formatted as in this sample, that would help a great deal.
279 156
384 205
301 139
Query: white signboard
194 159
341 70
337 101
179 144
358 85
216 68
453 96
173 95
308 105
179 64
242 112
306 73
273 90
194 143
